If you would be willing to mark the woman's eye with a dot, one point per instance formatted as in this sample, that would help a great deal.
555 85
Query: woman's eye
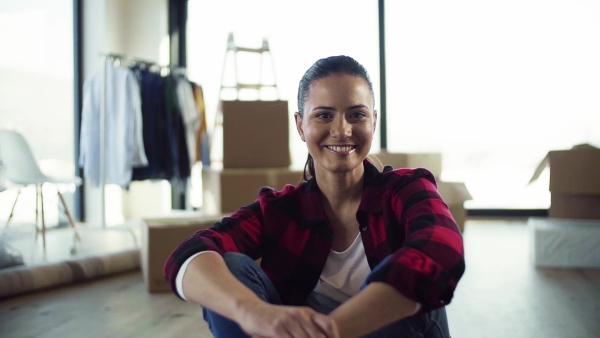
324 115
358 115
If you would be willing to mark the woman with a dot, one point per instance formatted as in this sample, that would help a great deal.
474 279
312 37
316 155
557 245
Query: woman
350 252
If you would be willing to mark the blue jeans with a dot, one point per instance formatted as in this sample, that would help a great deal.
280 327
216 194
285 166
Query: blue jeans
433 324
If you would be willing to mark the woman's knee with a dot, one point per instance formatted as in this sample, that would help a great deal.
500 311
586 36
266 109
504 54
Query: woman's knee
432 324
438 323
249 273
240 264
235 258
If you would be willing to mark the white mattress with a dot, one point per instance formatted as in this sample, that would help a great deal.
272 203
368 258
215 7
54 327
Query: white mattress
568 243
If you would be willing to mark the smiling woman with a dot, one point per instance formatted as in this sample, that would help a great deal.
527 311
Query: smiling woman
350 252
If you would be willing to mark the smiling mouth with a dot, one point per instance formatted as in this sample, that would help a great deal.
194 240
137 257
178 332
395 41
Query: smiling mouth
341 150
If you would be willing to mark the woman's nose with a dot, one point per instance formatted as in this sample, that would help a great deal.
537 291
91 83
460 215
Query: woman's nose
341 129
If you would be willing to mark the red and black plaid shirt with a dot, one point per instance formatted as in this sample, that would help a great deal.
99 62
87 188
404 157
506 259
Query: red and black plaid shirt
401 216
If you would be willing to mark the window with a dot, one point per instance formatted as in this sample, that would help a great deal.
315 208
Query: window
493 86
36 93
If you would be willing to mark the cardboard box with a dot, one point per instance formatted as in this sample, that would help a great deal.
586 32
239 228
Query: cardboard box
455 194
159 238
256 134
574 182
564 243
430 161
226 190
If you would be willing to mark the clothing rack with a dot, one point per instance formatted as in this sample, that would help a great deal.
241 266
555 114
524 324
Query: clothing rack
121 58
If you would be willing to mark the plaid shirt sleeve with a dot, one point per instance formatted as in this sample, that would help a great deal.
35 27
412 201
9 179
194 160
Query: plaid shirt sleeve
427 260
239 232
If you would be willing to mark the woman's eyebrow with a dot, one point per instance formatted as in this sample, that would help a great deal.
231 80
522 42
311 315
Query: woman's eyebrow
358 106
323 107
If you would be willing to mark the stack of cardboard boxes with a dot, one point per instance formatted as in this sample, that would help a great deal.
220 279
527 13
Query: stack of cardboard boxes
454 193
256 153
570 236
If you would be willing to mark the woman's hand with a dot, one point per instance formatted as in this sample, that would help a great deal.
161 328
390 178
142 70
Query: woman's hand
376 306
263 320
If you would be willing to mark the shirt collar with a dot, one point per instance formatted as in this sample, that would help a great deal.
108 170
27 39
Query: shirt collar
312 207
372 187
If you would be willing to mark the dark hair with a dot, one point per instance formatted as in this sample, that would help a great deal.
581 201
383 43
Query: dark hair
340 64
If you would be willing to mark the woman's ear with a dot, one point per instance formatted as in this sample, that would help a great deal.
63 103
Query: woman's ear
299 125
374 121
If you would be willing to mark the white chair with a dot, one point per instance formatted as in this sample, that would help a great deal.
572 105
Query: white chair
19 166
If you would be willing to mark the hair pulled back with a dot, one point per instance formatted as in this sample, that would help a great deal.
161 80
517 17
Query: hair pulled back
340 64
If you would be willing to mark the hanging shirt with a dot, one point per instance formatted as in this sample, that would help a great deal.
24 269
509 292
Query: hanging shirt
123 137
177 134
202 149
156 137
189 114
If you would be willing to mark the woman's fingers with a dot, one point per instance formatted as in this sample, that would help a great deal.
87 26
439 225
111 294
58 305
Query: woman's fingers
290 321
326 325
295 322
304 326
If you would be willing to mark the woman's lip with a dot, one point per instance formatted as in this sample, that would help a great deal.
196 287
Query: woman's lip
341 150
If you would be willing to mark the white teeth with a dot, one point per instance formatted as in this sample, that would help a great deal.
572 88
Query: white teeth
340 149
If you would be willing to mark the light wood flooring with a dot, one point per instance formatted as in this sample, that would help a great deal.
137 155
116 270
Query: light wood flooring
500 295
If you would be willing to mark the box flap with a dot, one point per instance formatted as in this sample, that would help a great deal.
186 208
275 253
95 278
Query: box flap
578 160
453 192
540 169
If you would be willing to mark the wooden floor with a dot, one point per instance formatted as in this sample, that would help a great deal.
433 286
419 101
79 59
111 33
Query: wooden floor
117 306
501 295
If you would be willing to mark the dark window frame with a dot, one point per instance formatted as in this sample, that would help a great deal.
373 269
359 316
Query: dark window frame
79 209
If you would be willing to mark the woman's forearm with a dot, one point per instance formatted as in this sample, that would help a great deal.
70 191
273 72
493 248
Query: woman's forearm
376 306
208 282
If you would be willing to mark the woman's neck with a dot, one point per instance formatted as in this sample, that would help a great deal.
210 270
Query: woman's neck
341 189
341 194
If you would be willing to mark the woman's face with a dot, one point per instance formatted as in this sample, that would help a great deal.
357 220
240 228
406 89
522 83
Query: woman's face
338 123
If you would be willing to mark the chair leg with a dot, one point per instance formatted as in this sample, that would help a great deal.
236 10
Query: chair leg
71 221
43 218
12 210
37 208
37 204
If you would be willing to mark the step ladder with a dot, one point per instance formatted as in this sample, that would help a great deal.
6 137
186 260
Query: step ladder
233 52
